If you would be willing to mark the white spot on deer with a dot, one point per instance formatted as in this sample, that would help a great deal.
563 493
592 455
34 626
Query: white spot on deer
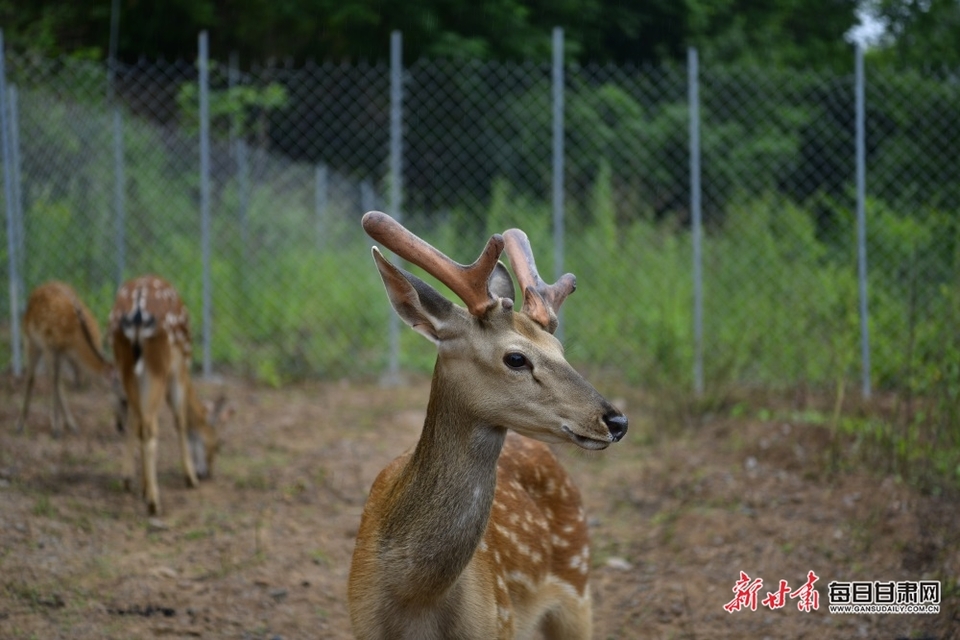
506 533
581 560
521 579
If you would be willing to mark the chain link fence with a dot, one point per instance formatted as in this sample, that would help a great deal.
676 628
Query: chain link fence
760 197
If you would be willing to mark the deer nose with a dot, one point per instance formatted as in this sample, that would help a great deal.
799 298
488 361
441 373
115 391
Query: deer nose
617 424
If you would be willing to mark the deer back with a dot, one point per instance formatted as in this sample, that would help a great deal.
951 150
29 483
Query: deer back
150 327
58 319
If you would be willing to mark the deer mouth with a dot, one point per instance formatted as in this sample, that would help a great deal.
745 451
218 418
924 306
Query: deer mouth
585 442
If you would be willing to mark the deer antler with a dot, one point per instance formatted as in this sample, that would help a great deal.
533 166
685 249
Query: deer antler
469 282
540 300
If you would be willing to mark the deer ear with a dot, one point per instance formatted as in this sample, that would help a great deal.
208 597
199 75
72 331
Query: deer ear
416 302
500 284
219 411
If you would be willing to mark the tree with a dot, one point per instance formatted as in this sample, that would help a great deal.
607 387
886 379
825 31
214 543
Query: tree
920 34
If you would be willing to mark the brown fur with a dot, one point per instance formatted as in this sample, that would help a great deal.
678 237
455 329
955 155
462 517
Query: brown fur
59 327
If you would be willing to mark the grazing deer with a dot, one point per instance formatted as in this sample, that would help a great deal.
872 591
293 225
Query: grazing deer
150 332
478 533
60 328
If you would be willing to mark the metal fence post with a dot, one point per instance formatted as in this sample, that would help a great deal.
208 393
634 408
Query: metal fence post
20 249
862 221
396 178
558 150
8 193
204 81
119 181
320 186
119 188
693 80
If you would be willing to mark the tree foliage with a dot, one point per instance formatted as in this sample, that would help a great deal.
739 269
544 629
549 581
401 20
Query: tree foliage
789 32
924 34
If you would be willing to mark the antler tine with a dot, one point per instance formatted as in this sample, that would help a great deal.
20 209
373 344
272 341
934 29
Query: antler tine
551 296
469 282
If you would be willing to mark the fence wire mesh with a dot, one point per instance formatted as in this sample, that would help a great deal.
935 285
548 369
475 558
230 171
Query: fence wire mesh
109 190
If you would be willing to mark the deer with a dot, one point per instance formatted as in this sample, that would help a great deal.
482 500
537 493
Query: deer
478 532
150 333
59 328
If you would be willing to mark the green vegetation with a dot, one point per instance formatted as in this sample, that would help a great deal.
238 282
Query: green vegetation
797 32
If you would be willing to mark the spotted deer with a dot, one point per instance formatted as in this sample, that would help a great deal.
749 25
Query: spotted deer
58 327
477 532
150 332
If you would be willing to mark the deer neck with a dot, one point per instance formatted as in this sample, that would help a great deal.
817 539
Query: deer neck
442 498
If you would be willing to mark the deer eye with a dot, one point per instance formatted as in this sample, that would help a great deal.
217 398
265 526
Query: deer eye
516 360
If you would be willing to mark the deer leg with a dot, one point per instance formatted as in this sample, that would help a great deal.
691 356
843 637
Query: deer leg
33 357
177 399
133 428
148 446
61 398
151 492
56 414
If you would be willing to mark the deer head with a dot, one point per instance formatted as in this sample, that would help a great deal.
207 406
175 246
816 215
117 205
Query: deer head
509 369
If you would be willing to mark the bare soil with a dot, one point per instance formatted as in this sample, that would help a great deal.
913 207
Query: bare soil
262 550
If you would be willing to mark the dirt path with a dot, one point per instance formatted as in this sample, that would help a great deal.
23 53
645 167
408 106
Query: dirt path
263 550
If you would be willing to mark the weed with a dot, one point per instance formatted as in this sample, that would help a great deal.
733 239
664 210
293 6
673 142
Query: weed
43 507
320 557
197 534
